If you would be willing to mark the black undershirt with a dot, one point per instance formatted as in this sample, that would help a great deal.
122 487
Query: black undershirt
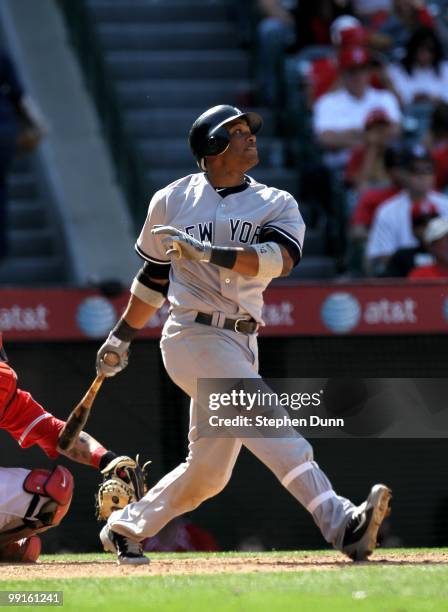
225 191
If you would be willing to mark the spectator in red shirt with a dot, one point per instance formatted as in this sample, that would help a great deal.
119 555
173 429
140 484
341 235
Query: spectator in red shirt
370 200
366 167
392 224
339 116
367 204
404 260
436 240
322 74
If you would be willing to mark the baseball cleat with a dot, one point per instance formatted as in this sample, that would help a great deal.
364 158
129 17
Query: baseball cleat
26 550
128 551
361 532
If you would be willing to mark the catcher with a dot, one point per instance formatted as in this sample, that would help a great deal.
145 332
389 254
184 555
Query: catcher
32 501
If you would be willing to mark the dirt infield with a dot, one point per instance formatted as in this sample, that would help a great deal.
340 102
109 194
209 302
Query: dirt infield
212 565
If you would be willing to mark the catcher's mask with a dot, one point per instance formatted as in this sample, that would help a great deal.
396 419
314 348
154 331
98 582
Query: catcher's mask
208 135
3 356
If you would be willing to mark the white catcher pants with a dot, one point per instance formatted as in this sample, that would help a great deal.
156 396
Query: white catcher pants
14 501
191 351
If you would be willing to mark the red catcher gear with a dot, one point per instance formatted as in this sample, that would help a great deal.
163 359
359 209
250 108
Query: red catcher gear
3 356
23 418
8 385
57 488
26 550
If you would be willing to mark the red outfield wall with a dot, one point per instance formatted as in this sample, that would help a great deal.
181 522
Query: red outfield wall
308 309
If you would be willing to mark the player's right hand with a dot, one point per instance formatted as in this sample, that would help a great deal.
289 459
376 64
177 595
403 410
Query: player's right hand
113 346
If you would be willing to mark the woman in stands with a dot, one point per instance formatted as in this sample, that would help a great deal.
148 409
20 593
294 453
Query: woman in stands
422 75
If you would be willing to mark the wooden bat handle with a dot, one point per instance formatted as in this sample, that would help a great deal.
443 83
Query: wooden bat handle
80 413
89 397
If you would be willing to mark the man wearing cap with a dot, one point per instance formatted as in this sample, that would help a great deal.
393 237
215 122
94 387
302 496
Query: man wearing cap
323 72
371 199
404 260
340 116
366 167
367 204
392 225
436 240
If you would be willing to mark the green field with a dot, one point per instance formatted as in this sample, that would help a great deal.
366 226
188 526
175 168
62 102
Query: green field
388 583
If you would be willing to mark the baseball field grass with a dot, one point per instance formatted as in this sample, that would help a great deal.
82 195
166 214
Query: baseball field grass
401 580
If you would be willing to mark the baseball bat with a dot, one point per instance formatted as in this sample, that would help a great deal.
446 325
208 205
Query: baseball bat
80 413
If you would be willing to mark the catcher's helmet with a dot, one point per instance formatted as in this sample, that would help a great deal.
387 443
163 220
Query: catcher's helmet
208 136
2 350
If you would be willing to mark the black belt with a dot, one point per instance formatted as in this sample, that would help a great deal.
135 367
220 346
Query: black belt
243 326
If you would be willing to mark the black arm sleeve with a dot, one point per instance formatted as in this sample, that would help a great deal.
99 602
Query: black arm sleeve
270 234
154 270
150 271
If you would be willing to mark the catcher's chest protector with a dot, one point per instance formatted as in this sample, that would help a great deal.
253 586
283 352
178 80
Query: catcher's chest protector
8 385
56 489
58 486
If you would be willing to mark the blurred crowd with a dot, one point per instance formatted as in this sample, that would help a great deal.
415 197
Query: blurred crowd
373 77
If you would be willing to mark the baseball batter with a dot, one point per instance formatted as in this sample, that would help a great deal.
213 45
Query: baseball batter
32 501
212 242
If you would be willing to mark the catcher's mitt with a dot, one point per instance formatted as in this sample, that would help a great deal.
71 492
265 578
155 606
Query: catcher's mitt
123 483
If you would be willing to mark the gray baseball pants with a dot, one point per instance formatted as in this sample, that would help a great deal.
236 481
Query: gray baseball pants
191 351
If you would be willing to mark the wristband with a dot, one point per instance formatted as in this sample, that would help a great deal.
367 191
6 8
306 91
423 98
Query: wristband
124 332
224 257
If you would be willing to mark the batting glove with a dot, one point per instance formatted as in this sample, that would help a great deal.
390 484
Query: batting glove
181 245
114 346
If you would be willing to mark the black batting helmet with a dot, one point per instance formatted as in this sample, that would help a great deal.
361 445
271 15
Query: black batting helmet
208 136
2 350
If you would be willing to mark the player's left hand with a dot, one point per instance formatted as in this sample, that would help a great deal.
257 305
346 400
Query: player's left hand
181 245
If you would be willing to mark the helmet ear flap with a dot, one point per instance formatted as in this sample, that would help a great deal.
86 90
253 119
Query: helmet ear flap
217 141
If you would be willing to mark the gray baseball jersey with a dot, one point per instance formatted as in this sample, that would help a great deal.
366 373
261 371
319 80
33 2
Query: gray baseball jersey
256 214
192 351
